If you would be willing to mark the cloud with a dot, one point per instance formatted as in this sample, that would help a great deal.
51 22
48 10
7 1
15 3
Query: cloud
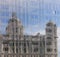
34 29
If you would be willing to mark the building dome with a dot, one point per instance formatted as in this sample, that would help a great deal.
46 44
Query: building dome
14 18
50 23
14 26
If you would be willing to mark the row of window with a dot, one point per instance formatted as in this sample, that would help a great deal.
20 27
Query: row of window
50 50
50 30
22 55
6 49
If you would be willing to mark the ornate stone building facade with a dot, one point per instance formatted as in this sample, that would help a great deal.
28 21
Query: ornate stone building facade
16 44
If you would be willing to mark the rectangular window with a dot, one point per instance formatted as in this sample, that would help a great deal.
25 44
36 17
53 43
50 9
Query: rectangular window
16 29
35 43
16 50
48 30
55 50
49 43
5 49
36 49
49 38
24 50
49 49
49 55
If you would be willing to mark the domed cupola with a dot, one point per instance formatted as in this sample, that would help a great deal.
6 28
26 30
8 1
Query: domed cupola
50 23
14 26
14 18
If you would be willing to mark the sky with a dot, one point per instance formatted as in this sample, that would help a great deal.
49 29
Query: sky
34 14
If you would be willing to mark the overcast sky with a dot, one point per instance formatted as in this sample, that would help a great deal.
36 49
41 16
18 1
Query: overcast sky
34 14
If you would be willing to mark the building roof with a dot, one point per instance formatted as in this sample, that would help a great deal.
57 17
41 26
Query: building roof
51 23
